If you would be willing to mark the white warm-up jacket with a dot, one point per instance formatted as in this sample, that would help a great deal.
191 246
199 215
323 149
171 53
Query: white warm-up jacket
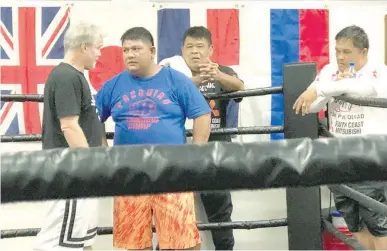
346 119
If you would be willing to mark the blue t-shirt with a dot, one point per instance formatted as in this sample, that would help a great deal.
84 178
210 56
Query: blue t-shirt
150 110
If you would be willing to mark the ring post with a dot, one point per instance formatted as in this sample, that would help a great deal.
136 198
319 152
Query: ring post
303 204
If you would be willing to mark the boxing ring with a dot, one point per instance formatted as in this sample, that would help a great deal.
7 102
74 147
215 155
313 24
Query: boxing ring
301 163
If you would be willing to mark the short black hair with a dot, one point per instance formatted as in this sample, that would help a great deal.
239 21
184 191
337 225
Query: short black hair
138 33
198 32
356 34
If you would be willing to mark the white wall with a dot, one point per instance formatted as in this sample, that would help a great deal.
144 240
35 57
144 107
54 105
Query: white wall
248 205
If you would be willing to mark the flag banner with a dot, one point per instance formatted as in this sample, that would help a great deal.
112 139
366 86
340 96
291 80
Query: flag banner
255 39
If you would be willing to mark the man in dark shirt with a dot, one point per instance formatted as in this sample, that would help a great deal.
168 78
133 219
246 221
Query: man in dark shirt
70 119
68 102
220 108
210 78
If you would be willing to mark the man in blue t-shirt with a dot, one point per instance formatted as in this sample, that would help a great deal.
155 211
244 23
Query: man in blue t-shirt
149 104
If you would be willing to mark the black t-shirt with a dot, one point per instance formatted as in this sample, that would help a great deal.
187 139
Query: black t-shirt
67 93
219 107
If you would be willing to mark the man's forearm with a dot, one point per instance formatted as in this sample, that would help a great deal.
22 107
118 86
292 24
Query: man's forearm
230 83
104 140
201 129
346 86
75 137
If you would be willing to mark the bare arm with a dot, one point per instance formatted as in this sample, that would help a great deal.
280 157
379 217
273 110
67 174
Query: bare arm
104 140
230 83
68 99
73 132
201 129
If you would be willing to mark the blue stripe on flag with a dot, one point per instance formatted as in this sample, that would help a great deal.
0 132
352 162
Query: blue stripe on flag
6 18
284 39
171 25
48 14
3 54
13 128
57 51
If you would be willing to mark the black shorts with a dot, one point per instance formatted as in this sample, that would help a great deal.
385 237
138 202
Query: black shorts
357 216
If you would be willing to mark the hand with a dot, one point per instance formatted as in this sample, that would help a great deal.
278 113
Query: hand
305 100
344 75
198 80
209 72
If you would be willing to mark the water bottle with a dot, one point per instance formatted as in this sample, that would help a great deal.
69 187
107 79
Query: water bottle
352 70
338 221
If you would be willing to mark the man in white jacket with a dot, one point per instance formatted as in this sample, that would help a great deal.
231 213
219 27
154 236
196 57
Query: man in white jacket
345 119
210 77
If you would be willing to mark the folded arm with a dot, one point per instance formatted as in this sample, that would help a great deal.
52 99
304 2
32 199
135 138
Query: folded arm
328 89
230 82
351 86
320 103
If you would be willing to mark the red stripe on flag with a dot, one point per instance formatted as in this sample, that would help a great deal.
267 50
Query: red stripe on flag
8 107
224 26
6 37
56 32
314 37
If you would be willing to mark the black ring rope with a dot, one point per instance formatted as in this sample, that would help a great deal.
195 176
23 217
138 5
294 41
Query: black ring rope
110 135
21 98
365 101
324 131
147 169
361 101
222 95
248 225
353 243
246 93
363 199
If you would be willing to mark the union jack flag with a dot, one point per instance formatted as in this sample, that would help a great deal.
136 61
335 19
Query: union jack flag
31 46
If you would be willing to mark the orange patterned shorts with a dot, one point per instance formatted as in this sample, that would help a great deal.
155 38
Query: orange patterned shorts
174 215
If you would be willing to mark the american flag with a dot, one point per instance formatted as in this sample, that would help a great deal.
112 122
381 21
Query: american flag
31 45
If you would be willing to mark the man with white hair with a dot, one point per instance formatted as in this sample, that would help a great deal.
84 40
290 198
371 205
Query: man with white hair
70 119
